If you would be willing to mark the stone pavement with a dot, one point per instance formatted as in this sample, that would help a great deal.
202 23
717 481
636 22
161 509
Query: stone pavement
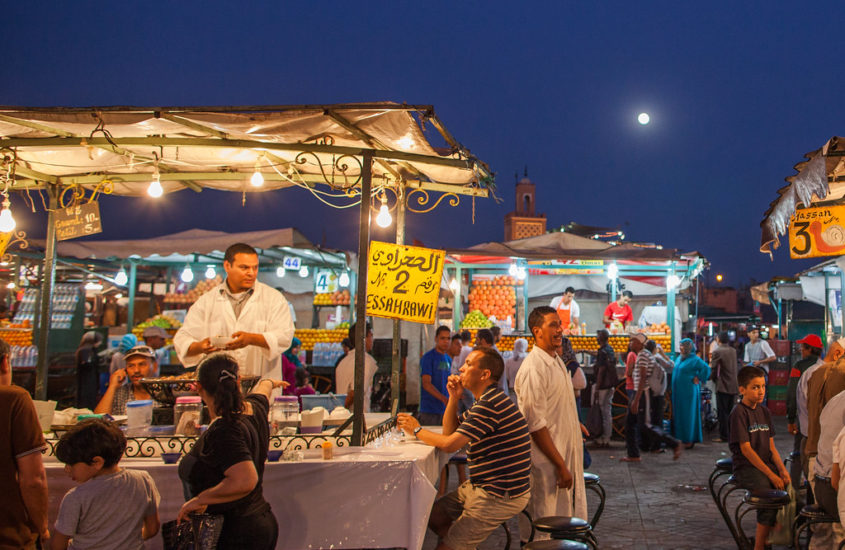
656 504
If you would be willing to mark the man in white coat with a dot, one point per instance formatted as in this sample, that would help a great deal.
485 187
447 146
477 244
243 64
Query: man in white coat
547 400
255 316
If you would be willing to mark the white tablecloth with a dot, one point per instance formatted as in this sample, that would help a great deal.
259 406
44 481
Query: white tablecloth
363 498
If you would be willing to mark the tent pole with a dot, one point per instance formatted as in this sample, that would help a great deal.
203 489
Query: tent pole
130 314
361 304
841 305
828 334
396 363
45 306
670 311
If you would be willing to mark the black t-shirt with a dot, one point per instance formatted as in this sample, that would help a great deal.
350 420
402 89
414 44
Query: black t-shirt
754 426
225 444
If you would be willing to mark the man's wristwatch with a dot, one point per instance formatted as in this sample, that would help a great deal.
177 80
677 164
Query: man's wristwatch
417 430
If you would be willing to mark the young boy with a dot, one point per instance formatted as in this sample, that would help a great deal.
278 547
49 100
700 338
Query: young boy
112 507
756 462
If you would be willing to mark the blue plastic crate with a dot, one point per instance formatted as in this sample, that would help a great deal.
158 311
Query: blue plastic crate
326 400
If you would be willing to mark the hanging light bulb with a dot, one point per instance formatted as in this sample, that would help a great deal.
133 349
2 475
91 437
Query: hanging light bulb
11 285
303 271
7 222
512 270
672 282
155 190
280 272
521 273
612 271
454 286
121 278
344 280
384 219
187 275
210 273
257 179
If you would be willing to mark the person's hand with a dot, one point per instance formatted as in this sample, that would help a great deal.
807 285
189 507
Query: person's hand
695 380
777 482
277 383
792 428
117 377
584 430
241 340
202 346
192 505
784 475
635 405
564 477
407 422
454 386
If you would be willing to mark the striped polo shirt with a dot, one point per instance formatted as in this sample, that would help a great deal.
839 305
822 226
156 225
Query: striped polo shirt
644 359
499 453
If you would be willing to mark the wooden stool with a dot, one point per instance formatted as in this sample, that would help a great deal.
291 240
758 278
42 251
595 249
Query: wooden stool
567 528
593 483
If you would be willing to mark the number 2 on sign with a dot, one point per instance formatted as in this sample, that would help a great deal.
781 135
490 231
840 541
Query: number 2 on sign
801 231
401 278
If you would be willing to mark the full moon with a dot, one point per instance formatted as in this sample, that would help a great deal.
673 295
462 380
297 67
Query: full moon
643 118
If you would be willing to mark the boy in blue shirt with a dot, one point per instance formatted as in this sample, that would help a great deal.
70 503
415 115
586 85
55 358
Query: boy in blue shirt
435 367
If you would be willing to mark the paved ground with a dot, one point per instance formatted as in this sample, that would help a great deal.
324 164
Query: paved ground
653 505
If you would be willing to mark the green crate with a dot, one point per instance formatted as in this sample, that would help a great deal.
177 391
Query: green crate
776 393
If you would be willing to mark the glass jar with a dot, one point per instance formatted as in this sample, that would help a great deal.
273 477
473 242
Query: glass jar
285 412
187 415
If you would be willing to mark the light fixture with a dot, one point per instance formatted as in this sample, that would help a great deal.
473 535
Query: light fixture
118 296
11 285
672 282
454 286
343 281
612 271
384 219
719 277
303 271
187 275
280 272
210 273
512 270
91 285
7 222
155 190
121 278
521 273
257 179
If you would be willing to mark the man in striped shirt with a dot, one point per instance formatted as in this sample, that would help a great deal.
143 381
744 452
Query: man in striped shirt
499 455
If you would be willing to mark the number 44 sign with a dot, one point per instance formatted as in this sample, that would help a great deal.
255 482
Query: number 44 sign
403 282
817 232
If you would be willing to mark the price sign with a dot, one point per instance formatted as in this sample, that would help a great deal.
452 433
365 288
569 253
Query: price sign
78 221
817 232
326 281
403 282
292 263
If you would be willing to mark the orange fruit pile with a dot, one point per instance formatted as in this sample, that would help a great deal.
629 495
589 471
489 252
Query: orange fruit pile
16 336
494 297
311 336
339 298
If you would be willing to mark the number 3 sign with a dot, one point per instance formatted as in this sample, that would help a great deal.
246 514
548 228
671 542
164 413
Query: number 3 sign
817 232
403 282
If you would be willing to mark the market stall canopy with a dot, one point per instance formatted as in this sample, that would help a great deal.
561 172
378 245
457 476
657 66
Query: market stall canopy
184 243
820 179
221 147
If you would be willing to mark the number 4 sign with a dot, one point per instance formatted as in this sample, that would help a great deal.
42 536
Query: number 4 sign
403 282
817 232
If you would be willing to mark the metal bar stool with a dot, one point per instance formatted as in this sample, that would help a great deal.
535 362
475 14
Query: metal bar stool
508 531
763 499
555 544
593 483
567 528
810 515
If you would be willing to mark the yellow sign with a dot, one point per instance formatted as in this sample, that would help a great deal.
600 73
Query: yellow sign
403 282
817 232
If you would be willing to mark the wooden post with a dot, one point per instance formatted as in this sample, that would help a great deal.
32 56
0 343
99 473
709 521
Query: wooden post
361 304
396 362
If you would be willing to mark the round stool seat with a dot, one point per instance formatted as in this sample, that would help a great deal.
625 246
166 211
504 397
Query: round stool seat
458 459
816 513
562 525
767 497
731 480
591 479
725 464
555 544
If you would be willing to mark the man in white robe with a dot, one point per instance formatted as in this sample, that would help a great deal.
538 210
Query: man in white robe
255 316
547 400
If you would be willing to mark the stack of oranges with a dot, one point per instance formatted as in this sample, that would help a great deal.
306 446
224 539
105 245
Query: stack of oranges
17 334
311 336
495 296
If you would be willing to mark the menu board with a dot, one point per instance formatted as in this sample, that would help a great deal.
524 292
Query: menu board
78 221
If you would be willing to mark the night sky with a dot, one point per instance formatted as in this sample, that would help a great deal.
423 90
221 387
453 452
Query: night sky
737 93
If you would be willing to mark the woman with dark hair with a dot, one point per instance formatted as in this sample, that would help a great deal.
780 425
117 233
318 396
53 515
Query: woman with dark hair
224 469
291 362
88 370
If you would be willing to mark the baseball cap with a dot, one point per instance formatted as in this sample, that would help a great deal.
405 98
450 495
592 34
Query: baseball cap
811 340
154 331
144 351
